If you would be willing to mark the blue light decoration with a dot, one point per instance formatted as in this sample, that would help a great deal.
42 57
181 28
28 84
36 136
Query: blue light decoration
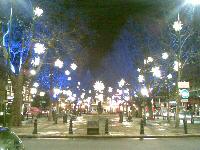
17 36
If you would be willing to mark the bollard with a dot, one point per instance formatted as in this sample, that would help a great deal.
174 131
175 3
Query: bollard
142 126
65 118
70 127
120 117
192 119
185 125
106 127
56 119
35 127
144 120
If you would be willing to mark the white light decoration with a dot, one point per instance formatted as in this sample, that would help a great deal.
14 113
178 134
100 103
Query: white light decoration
110 89
176 64
121 83
73 66
193 2
82 95
138 69
156 72
58 63
42 93
120 92
149 59
33 91
177 25
69 93
36 84
169 76
33 72
39 48
79 83
165 55
57 91
38 12
99 97
69 78
145 61
67 72
36 61
90 91
99 86
144 92
141 78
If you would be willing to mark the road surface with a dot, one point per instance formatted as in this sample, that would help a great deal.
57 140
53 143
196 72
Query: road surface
113 144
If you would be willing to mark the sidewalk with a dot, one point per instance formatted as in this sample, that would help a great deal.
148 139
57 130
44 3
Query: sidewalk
153 128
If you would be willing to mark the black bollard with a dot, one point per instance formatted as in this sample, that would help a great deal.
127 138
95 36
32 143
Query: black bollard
65 118
35 127
144 120
70 127
106 127
56 119
185 125
142 126
192 119
120 117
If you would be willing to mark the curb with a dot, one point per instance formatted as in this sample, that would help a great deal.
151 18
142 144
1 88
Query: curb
109 136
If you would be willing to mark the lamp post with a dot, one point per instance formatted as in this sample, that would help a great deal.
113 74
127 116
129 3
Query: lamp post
178 27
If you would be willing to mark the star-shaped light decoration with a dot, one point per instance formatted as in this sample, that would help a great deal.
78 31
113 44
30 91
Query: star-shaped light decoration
73 66
38 12
36 84
141 78
177 25
144 92
39 48
59 63
67 72
99 86
36 61
165 55
156 72
121 83
110 89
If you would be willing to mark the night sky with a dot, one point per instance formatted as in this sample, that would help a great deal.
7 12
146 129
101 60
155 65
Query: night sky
109 38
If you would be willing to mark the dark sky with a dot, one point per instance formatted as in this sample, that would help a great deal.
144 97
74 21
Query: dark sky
103 27
107 18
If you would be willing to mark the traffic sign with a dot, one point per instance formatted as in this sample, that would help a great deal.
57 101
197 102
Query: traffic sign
183 85
184 100
185 93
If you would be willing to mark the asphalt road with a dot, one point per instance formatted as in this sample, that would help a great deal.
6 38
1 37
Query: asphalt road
113 144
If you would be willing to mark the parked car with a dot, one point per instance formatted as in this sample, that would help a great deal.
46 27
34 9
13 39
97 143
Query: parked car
9 140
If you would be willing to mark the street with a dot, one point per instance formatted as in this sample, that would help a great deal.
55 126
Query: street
113 144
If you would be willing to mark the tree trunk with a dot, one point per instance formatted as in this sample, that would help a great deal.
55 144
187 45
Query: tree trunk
17 82
149 104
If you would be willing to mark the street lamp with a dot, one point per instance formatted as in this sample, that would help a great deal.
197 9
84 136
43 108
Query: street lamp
193 2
